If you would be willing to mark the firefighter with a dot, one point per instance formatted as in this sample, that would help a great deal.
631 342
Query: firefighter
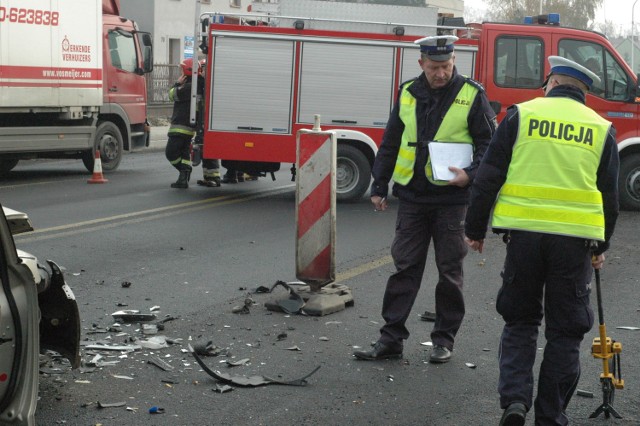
210 167
439 105
178 150
553 166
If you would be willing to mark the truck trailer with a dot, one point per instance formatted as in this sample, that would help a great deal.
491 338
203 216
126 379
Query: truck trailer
265 82
71 82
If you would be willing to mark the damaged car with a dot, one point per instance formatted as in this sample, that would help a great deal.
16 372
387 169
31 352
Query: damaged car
38 312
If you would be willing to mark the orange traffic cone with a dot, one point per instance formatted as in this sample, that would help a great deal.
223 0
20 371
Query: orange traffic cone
97 171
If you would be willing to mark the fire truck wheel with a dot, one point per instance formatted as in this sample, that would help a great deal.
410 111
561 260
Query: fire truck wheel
353 173
629 182
6 165
109 141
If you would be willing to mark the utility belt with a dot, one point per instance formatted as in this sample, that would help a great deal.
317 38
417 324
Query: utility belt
506 238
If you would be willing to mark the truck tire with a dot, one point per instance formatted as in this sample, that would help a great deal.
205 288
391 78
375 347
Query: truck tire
629 182
353 173
109 141
6 165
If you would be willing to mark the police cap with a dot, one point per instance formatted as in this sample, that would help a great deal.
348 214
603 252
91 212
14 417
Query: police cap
437 48
564 66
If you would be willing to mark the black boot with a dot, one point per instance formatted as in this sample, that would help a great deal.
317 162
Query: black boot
230 177
183 180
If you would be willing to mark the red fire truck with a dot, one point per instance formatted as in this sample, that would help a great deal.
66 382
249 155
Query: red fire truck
266 82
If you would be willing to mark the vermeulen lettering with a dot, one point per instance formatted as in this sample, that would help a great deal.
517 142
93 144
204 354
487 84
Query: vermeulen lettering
562 131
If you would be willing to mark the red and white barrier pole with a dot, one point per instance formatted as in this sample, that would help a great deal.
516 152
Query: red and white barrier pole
316 206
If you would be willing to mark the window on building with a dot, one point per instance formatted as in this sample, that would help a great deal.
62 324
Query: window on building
518 62
174 51
235 3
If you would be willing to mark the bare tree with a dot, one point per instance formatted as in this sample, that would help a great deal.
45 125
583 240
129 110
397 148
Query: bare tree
573 13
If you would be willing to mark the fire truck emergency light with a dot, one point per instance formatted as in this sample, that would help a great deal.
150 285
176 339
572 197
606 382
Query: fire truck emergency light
550 19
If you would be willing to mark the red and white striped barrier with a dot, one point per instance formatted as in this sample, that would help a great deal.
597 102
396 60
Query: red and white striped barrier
316 206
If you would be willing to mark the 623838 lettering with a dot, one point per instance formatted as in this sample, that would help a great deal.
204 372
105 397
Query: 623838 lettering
29 16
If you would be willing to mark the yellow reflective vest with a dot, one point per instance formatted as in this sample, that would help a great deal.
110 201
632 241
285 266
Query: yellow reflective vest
551 182
453 128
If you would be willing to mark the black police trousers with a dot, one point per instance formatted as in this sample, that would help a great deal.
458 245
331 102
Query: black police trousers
544 275
416 225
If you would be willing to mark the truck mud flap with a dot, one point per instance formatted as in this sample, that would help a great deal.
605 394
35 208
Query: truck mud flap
60 318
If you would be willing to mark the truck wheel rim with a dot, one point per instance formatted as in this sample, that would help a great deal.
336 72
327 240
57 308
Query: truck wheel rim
108 147
633 184
347 175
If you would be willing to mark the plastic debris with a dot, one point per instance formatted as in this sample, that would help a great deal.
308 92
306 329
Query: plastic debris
244 309
626 327
125 284
156 410
207 348
131 315
251 381
242 361
470 365
118 376
149 329
428 316
154 343
222 389
584 393
163 365
294 348
427 343
291 305
120 348
111 404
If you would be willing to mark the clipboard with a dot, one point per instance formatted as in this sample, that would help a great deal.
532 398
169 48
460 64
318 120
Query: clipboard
445 154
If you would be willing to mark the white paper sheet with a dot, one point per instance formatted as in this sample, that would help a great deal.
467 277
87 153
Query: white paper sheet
445 154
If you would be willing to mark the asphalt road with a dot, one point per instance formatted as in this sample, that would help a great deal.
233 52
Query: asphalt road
198 254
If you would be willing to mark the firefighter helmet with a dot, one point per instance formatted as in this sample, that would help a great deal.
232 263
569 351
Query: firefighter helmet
187 66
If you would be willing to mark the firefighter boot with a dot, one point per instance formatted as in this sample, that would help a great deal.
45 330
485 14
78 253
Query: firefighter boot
230 177
183 180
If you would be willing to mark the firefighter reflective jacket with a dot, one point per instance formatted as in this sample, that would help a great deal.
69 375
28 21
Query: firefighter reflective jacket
180 95
551 183
452 129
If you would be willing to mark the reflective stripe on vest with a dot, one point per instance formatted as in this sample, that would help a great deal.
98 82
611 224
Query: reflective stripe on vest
183 130
551 183
453 128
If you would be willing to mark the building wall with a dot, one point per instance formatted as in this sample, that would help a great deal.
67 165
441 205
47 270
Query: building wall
456 7
173 19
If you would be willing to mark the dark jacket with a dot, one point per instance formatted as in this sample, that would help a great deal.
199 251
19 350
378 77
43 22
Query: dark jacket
181 95
492 173
431 108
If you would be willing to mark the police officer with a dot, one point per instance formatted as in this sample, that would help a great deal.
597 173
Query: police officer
439 105
178 149
553 165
